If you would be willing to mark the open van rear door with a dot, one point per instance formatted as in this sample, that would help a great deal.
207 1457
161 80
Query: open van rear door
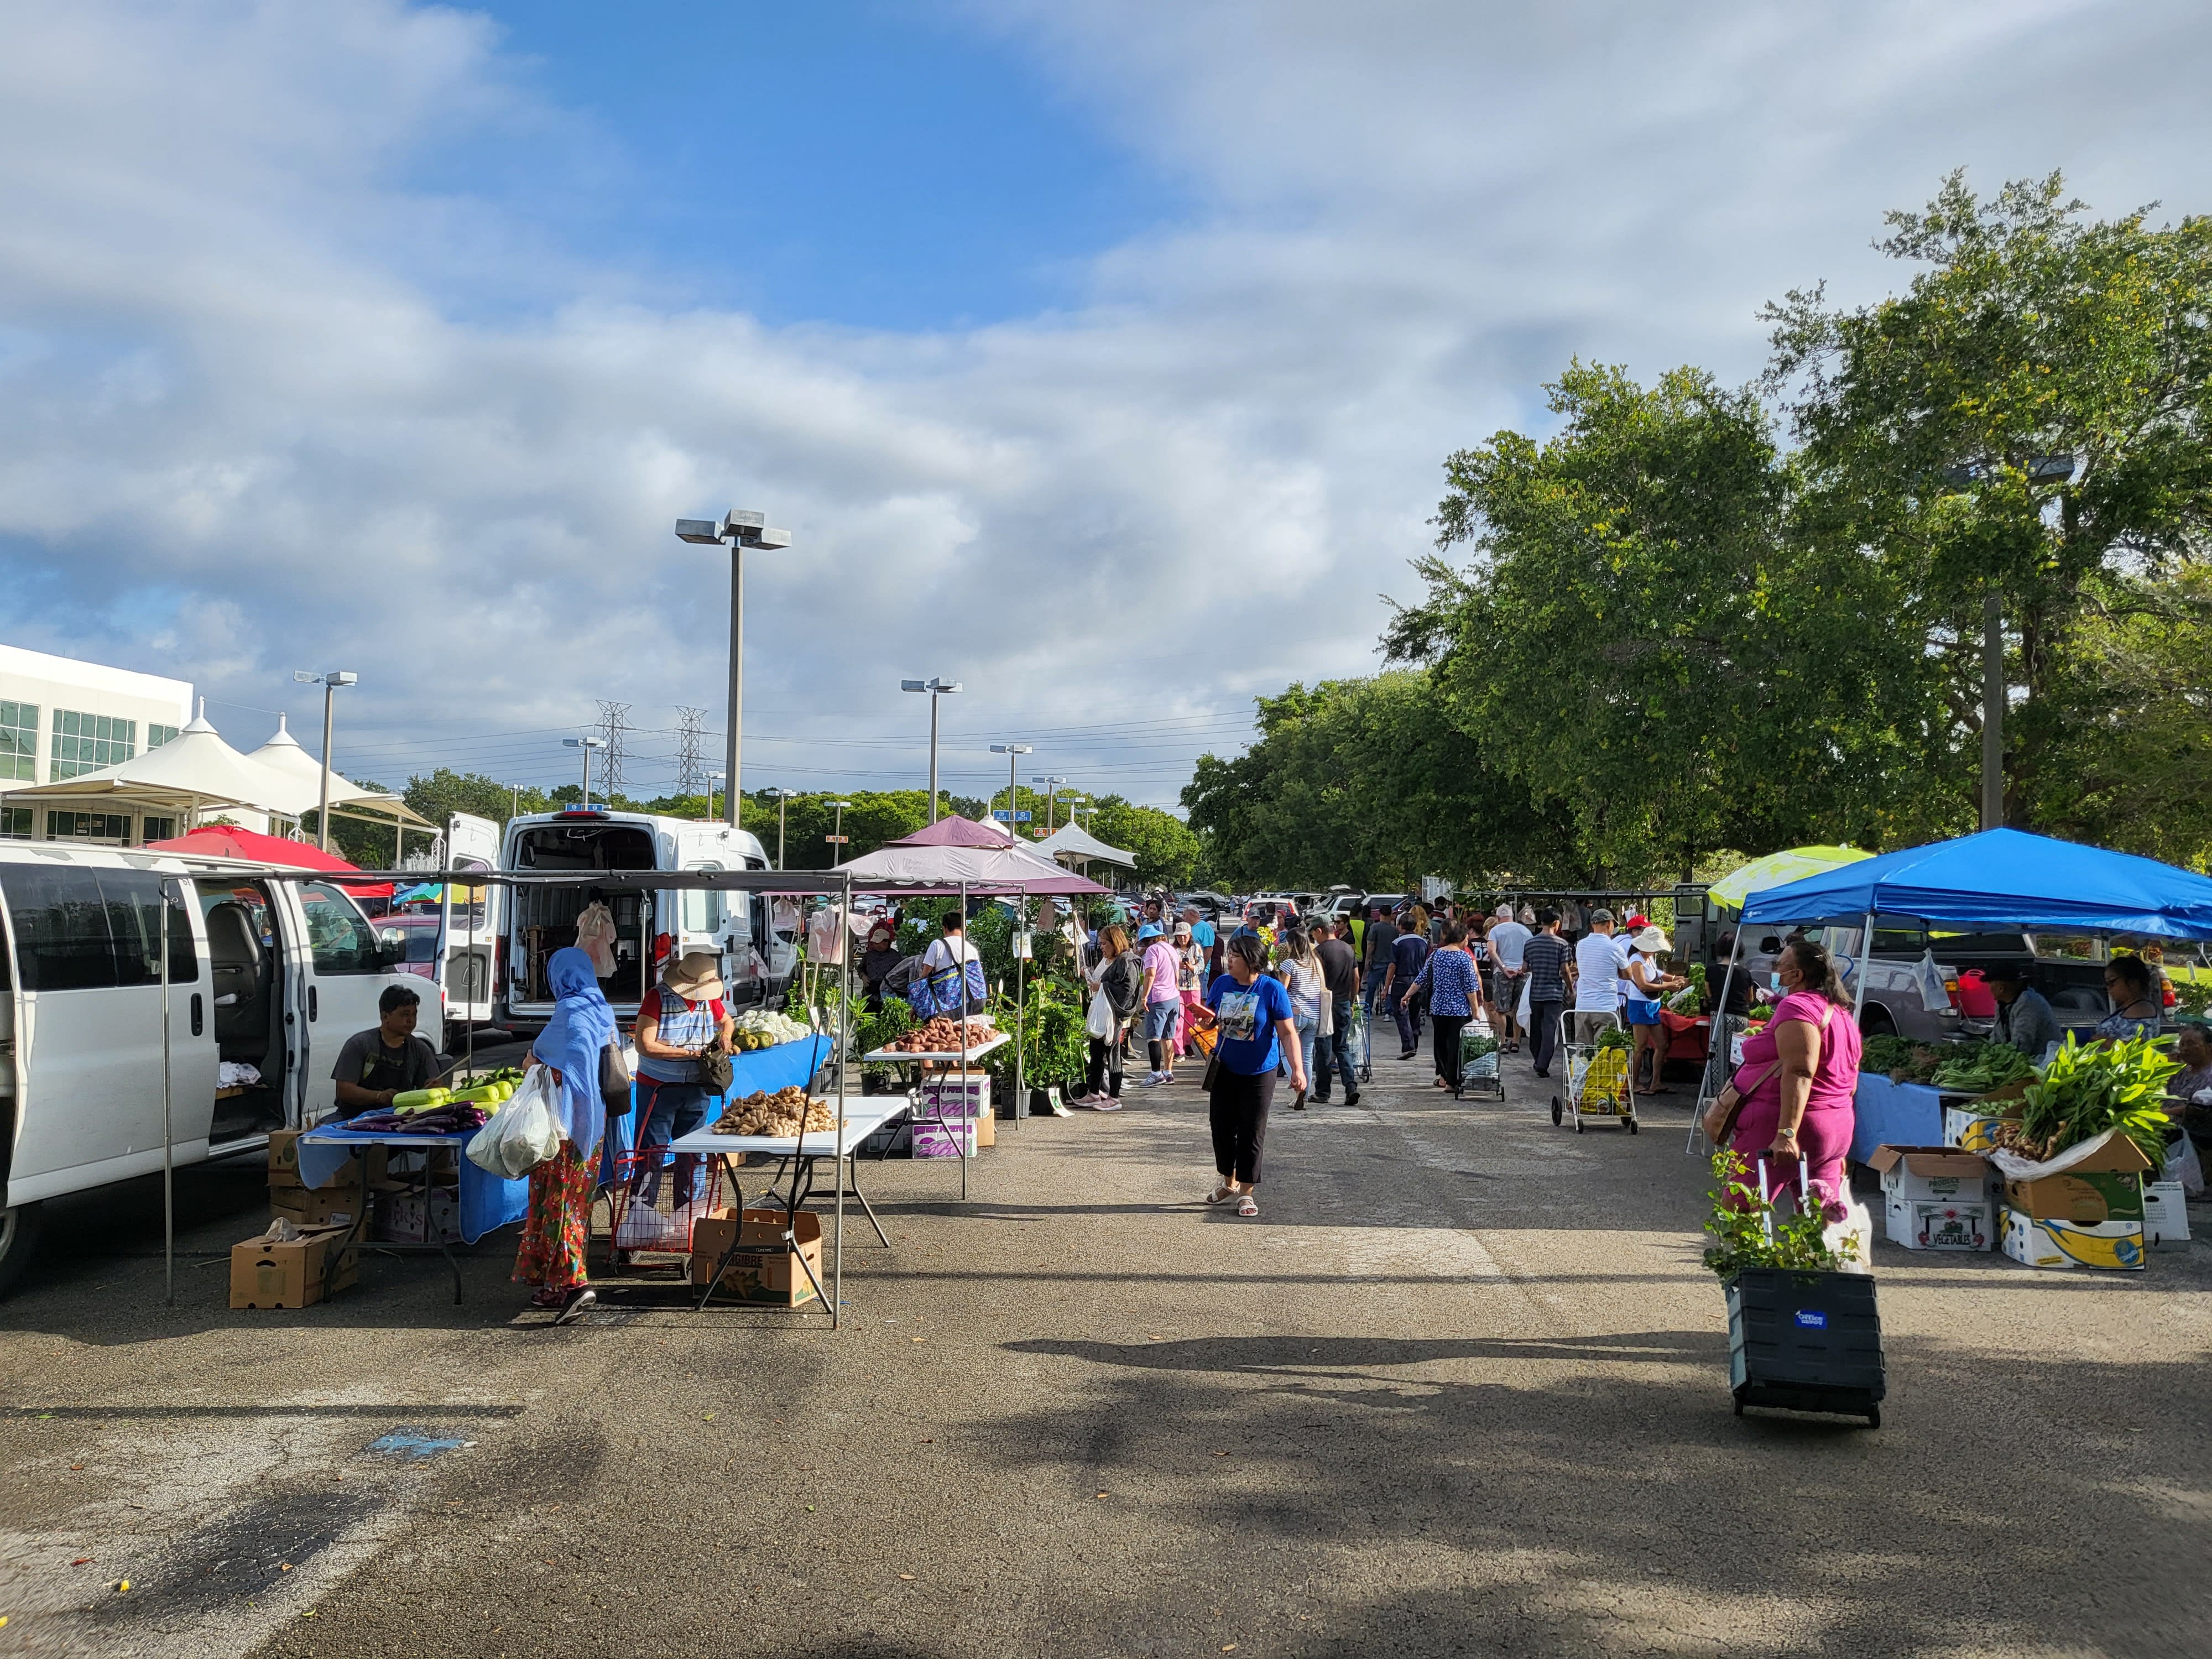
468 920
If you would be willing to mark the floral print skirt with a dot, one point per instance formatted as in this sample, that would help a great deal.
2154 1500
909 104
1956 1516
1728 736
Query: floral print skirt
556 1231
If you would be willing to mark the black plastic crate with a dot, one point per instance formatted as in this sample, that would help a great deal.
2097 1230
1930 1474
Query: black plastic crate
1806 1342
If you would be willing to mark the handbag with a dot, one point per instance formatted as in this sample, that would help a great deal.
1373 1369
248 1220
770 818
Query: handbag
1734 1105
715 1069
614 1079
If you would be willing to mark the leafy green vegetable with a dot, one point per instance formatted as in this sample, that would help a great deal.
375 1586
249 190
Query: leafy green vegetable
1887 1053
2087 1089
1978 1067
1613 1038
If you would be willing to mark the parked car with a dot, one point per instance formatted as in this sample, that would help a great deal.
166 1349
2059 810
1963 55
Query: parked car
415 932
266 969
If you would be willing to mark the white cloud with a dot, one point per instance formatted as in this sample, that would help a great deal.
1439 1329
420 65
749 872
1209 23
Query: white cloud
324 419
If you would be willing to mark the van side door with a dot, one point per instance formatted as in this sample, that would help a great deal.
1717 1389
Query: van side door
341 972
468 923
90 1034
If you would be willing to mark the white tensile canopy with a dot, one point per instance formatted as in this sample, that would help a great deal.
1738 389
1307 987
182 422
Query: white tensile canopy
284 754
1074 841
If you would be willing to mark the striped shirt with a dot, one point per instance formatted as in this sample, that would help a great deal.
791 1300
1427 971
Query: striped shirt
1546 957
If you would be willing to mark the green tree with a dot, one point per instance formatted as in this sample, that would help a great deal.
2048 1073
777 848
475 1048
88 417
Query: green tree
1163 846
1649 650
2028 419
446 791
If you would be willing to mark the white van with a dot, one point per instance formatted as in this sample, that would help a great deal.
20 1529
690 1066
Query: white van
274 974
756 939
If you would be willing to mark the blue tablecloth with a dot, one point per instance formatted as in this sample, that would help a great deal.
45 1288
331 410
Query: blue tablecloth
1895 1114
486 1201
785 1066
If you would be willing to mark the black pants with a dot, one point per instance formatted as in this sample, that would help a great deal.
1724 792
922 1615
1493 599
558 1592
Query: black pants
1408 1013
1443 1032
1337 1054
1544 1030
1105 1063
1237 1109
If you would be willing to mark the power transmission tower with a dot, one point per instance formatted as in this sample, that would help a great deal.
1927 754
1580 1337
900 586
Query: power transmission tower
611 729
690 762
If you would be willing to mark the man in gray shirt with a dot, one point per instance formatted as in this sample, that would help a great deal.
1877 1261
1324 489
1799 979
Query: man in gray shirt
388 1059
2024 1017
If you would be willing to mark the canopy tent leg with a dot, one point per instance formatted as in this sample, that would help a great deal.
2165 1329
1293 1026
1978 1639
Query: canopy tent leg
168 1137
837 1149
1717 1054
1021 1006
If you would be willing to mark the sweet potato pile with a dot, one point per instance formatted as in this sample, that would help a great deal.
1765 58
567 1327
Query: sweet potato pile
778 1114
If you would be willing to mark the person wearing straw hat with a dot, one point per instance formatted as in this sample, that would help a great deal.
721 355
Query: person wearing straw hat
1644 988
680 1018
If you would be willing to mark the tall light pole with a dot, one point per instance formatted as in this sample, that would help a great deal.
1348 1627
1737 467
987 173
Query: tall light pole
782 798
936 687
714 778
741 530
330 683
1049 785
1010 750
586 745
837 832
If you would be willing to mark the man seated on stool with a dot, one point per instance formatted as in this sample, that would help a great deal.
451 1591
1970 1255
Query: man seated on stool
388 1059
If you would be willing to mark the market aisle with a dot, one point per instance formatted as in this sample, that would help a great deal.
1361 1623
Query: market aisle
1461 1388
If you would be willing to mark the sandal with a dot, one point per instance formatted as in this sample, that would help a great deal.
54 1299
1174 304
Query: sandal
1246 1205
547 1298
1221 1194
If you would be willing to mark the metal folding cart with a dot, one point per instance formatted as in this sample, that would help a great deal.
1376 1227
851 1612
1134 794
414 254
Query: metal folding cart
1356 1048
1597 1082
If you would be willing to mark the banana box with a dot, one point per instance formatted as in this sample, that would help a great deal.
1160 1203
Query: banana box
2048 1242
1972 1127
2165 1215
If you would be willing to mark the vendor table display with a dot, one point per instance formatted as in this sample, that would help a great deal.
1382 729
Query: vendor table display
757 1071
1888 1114
484 1202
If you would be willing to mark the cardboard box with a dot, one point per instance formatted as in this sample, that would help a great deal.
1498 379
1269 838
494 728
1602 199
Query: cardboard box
966 1095
955 1139
2049 1242
400 1217
761 1268
284 1163
1970 1128
293 1275
1941 1225
1935 1198
2165 1215
318 1206
2097 1181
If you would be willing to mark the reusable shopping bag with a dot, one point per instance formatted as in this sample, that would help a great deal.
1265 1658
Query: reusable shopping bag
523 1135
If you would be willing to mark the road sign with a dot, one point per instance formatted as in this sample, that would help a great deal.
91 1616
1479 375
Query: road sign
838 840
1005 817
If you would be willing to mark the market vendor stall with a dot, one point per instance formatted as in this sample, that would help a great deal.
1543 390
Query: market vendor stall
1894 1114
483 1203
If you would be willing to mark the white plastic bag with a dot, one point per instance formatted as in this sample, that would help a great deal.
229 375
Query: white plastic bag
1855 1228
1521 1014
523 1135
1100 1023
2184 1165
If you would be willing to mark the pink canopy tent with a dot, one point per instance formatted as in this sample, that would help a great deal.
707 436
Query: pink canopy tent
959 851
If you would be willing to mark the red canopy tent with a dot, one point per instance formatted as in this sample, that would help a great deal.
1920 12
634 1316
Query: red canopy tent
225 841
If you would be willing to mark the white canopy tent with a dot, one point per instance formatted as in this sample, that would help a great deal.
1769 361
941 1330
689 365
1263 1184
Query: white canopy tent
1073 840
282 754
195 773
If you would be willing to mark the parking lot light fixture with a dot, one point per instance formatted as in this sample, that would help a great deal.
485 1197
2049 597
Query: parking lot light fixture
740 530
936 687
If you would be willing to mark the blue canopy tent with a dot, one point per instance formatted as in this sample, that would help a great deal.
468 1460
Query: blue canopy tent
2001 880
1998 881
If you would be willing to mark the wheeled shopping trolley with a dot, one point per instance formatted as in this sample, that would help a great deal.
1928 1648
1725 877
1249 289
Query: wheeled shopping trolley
1358 1049
1479 1074
1597 1081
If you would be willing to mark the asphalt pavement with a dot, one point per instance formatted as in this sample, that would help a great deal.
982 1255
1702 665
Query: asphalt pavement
1460 1388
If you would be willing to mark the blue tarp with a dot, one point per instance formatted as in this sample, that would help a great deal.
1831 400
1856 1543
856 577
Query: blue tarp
2003 881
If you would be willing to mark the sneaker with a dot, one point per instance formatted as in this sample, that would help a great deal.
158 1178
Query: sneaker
579 1302
1103 1103
1353 1099
1153 1079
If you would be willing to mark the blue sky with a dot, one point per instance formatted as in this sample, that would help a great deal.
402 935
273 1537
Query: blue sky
849 162
1102 354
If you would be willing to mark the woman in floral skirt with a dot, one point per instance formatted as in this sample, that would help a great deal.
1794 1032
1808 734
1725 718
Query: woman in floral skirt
556 1231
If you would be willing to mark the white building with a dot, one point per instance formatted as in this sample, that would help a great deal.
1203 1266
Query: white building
60 718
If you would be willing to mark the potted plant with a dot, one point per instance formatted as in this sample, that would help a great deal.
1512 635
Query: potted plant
1803 1333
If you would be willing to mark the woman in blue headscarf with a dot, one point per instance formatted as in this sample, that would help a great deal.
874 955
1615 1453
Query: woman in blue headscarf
556 1232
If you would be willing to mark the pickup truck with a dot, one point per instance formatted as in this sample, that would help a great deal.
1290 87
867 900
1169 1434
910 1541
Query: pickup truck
2070 972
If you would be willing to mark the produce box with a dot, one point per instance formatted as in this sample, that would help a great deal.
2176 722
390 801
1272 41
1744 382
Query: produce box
957 1139
1971 1126
2049 1242
318 1206
763 1268
401 1218
284 1163
1935 1198
2097 1181
966 1095
293 1275
2165 1215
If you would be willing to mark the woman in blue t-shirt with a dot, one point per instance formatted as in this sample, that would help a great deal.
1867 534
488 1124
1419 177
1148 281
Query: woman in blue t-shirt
1253 1012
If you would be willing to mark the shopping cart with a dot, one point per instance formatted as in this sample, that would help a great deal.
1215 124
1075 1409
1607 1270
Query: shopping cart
1597 1082
1479 1074
1356 1046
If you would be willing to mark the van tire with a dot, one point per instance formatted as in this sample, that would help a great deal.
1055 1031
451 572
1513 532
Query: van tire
1875 1021
19 1227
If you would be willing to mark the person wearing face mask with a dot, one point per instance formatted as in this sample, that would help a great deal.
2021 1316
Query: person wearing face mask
1791 1099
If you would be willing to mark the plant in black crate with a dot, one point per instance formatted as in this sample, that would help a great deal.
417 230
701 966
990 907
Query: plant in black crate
1804 1334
